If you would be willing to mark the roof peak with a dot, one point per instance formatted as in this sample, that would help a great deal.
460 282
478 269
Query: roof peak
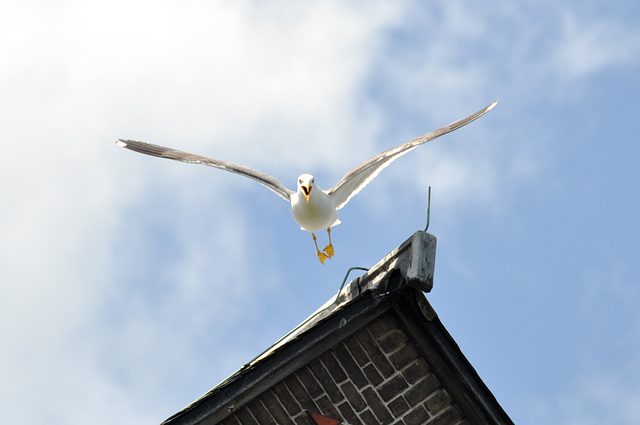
414 260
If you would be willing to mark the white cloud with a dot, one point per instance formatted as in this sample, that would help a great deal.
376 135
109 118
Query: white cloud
86 335
605 388
107 257
604 396
588 46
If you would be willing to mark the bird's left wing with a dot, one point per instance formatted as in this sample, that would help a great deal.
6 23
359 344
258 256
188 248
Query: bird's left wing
356 179
162 152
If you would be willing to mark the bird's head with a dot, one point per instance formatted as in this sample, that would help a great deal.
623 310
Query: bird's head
305 185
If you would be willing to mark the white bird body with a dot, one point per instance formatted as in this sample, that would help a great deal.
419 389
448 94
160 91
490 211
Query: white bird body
317 213
312 208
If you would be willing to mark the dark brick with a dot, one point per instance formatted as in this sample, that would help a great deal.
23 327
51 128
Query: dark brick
299 393
392 340
448 417
356 350
245 418
422 390
326 381
437 402
377 406
373 375
367 417
334 368
398 406
417 416
415 371
349 365
403 356
309 382
274 407
325 407
377 328
286 399
375 353
353 396
392 388
303 420
260 412
347 414
388 321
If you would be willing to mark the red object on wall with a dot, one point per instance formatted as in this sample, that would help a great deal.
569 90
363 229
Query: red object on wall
323 420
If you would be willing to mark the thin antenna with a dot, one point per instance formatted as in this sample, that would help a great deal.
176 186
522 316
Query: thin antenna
428 209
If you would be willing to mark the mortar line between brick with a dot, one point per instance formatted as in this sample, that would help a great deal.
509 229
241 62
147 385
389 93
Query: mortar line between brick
355 410
293 397
374 363
267 410
246 407
326 367
294 376
356 340
377 344
277 399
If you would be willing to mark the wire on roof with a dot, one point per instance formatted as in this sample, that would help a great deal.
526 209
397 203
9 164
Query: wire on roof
428 209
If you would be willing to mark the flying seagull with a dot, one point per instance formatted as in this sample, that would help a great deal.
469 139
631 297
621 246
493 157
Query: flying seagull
313 208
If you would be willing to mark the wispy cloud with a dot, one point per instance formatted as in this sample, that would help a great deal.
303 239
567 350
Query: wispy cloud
589 45
600 397
122 275
90 320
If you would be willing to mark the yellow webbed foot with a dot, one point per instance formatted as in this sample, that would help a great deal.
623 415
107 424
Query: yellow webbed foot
322 256
329 250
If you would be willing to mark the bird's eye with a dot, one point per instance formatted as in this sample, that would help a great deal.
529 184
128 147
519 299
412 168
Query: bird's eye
300 181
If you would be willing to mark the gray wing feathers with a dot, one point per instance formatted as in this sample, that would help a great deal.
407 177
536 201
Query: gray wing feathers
161 152
356 179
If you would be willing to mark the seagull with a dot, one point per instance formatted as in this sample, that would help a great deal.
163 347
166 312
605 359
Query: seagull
312 208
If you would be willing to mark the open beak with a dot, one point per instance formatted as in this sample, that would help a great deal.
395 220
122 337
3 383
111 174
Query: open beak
306 189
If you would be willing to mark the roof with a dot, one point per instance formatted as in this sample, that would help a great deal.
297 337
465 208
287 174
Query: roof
377 350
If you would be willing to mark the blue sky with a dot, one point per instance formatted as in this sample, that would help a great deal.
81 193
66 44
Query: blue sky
130 286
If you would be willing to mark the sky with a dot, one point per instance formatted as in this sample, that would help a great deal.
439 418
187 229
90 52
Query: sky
131 285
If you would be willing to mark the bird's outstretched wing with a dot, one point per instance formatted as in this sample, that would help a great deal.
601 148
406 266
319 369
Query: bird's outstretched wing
162 152
356 179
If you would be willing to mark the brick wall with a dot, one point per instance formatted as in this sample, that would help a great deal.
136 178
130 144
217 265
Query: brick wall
375 376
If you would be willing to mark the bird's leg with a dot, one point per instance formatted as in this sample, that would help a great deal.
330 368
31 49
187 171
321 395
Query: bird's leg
321 255
329 248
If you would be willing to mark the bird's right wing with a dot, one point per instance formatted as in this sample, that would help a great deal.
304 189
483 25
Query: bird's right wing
356 179
161 152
